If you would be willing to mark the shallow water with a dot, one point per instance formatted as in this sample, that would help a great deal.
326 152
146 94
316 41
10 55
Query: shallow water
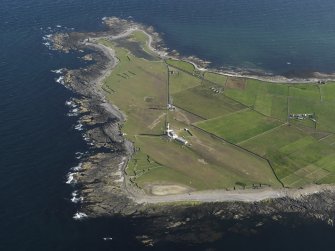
38 141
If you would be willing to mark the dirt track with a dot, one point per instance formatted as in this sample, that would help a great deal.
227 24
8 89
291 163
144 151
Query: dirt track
216 196
240 195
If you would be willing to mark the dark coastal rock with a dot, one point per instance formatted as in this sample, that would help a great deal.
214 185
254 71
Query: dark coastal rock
103 186
208 222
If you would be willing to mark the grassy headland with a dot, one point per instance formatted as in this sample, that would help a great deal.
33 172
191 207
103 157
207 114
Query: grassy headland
240 132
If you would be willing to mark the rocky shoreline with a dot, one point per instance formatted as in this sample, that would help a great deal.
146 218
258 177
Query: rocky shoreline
101 179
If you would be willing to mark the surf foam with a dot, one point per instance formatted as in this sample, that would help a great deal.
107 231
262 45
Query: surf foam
79 216
75 198
79 127
77 168
60 80
71 179
59 71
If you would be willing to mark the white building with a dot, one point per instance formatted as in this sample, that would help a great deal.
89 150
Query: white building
172 135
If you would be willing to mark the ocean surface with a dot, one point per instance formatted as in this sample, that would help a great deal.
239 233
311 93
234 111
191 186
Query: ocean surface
39 142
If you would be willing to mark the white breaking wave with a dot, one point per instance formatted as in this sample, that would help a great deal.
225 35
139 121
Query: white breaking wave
86 138
71 103
77 168
79 216
73 113
60 80
48 45
59 71
75 198
47 37
68 103
47 41
79 127
79 155
71 179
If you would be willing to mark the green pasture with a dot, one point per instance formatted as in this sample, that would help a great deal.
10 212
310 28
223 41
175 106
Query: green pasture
204 102
215 78
139 88
239 126
217 109
182 65
179 81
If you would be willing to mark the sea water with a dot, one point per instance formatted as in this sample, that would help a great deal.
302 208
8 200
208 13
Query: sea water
39 142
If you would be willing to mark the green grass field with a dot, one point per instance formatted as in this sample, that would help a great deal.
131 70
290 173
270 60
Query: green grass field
239 126
142 39
273 140
196 168
183 65
327 92
202 101
240 130
267 98
216 78
179 81
138 87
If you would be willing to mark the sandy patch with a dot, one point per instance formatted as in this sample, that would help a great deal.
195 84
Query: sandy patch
202 161
161 190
